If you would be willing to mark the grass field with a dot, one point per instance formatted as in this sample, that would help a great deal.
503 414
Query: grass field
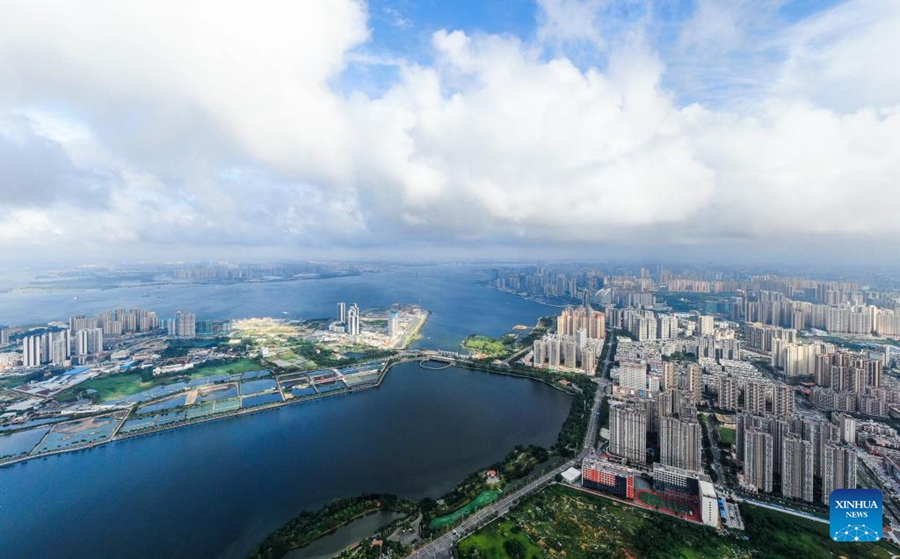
126 384
499 540
483 498
726 435
563 522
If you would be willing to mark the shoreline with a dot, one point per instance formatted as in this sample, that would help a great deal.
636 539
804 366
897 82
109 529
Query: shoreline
266 407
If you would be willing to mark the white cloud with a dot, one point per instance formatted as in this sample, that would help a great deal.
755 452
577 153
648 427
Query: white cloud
213 124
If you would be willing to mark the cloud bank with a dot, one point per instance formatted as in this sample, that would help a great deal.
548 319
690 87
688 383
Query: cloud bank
220 126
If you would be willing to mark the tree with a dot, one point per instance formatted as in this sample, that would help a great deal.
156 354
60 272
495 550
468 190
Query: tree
515 549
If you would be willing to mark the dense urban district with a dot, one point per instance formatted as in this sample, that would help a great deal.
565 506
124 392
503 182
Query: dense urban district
712 413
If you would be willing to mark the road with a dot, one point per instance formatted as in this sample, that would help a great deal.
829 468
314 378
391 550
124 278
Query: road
873 480
443 546
786 510
713 426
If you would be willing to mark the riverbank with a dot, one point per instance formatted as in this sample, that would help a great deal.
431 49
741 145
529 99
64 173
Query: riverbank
383 371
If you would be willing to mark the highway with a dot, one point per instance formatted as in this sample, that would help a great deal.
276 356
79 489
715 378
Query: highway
443 546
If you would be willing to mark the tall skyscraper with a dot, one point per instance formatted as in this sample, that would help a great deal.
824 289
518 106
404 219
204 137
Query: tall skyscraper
679 443
31 351
758 458
727 397
185 324
353 320
670 376
706 325
797 468
89 342
628 433
633 374
393 324
755 396
60 347
342 312
783 400
572 319
838 469
4 335
695 383
847 425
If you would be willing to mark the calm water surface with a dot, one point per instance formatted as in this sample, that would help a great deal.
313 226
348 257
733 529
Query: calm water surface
216 489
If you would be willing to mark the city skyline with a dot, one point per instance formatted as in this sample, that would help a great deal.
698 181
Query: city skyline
703 131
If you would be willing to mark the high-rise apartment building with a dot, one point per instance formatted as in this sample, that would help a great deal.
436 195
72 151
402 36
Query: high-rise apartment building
573 319
628 433
758 460
838 469
695 383
783 400
31 351
89 342
727 393
633 374
755 396
679 443
797 468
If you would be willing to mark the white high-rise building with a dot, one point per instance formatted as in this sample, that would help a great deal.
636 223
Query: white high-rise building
706 325
353 320
89 342
31 351
342 312
393 324
633 374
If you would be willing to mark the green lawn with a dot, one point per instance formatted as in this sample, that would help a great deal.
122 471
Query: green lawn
239 366
726 435
483 498
125 384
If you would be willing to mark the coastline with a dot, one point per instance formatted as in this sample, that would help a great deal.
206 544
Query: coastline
272 406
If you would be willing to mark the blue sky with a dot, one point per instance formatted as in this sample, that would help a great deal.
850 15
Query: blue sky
403 30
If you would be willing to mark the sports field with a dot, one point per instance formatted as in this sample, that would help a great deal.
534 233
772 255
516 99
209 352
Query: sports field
726 435
669 504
